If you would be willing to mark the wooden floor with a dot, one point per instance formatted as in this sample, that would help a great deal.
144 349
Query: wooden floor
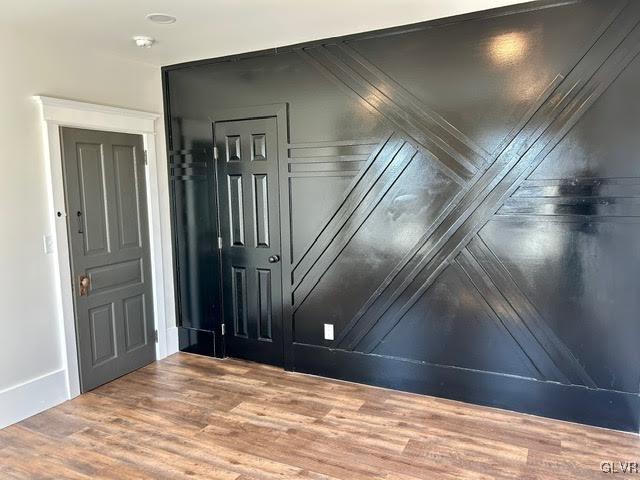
196 417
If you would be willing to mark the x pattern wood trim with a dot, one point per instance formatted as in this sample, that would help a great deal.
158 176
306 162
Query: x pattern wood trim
488 184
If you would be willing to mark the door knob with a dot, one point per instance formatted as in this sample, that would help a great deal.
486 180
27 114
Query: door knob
274 258
85 283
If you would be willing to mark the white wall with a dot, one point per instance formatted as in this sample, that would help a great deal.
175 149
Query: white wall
30 340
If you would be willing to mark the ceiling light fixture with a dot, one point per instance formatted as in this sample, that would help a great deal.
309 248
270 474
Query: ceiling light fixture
162 18
143 41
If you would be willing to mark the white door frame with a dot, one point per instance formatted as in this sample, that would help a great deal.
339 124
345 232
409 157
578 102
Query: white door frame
56 113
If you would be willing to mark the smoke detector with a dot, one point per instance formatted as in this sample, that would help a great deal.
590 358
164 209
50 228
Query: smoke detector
162 18
143 41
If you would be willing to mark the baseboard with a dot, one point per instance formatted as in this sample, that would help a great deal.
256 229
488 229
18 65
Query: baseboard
603 408
201 342
32 397
172 340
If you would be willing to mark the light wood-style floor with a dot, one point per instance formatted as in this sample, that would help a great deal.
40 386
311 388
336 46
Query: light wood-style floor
195 417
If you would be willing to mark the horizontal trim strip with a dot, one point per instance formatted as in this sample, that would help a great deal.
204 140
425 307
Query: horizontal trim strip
581 181
189 165
200 178
198 172
337 143
586 206
326 167
526 217
341 158
334 173
189 152
332 151
597 188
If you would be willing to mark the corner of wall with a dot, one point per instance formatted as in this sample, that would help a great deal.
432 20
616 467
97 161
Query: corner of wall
172 340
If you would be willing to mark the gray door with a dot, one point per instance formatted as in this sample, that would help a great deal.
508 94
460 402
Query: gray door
250 229
109 241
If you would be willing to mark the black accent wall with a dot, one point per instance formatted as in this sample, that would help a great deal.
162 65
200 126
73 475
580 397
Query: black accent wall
464 201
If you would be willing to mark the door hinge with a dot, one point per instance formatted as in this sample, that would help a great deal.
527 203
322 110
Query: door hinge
146 159
223 330
215 153
219 243
155 335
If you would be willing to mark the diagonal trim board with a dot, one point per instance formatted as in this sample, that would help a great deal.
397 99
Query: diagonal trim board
311 258
391 101
459 169
377 165
588 80
422 116
506 317
353 197
394 163
449 219
548 110
501 314
446 136
340 59
532 327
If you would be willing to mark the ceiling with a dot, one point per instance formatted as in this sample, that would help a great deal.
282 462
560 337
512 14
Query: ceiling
213 28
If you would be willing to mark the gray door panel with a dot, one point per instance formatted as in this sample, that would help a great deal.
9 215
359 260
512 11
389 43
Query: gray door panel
107 222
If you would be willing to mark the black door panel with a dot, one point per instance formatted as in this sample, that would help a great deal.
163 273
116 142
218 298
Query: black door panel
250 230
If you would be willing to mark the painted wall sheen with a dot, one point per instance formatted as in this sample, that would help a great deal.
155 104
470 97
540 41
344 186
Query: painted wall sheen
464 206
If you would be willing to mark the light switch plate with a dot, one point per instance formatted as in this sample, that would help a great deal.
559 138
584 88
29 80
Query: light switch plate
48 244
328 331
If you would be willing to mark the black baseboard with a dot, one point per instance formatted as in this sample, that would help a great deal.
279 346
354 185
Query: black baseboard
603 408
201 342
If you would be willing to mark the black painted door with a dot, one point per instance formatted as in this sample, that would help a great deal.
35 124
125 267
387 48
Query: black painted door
250 230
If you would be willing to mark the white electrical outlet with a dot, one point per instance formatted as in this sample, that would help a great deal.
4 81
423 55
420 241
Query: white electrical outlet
328 331
48 244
